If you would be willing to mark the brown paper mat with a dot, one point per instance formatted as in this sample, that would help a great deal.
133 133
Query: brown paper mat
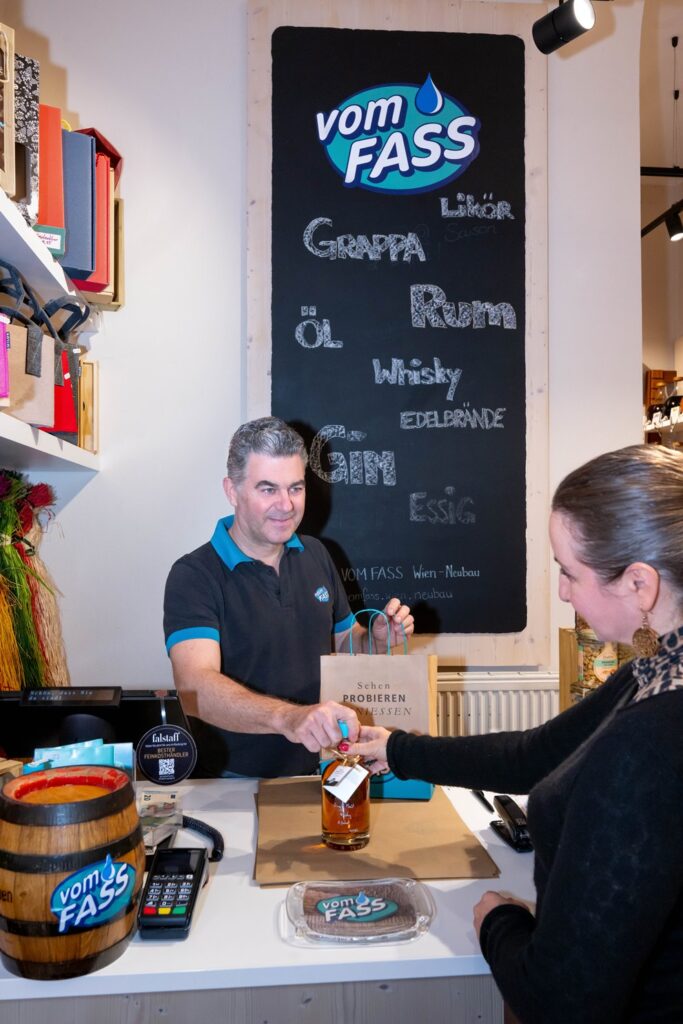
408 839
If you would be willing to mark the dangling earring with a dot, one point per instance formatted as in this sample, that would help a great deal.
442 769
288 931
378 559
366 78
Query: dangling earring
645 641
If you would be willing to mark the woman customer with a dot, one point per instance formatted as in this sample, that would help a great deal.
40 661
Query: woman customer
605 777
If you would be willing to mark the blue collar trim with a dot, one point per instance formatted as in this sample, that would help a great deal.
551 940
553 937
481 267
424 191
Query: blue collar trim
227 550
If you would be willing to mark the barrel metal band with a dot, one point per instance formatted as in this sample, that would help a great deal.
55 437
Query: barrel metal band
50 929
52 969
20 813
65 863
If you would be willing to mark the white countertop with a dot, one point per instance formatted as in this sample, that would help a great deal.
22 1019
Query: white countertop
234 940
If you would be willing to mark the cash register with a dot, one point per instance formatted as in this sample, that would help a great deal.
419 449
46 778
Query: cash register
50 717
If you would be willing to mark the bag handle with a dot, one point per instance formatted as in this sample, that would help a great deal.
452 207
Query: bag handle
12 285
373 613
39 316
21 292
16 288
16 314
79 314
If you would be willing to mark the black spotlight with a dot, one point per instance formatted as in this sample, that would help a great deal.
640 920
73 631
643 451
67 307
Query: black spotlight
674 226
571 19
671 218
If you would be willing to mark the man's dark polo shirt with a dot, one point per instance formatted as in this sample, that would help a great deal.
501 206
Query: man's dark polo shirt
272 629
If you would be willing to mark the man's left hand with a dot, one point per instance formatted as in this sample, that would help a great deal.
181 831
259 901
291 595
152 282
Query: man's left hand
401 623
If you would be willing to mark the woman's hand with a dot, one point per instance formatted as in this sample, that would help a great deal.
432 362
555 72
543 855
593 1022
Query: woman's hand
372 747
487 903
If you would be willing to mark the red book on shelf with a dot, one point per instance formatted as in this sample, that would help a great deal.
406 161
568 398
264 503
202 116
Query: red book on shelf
103 145
50 225
99 279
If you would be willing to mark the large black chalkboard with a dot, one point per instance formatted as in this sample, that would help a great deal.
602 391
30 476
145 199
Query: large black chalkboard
418 485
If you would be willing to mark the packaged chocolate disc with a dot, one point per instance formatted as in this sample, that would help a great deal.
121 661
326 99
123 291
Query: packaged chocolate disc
380 910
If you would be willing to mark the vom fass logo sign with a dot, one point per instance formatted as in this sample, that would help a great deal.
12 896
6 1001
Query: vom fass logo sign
399 138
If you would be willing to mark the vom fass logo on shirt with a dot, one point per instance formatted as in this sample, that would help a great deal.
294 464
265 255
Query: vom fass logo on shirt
399 138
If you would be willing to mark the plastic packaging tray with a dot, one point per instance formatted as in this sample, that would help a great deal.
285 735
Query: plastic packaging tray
378 910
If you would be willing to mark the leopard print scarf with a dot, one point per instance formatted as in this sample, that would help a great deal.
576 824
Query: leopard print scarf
662 672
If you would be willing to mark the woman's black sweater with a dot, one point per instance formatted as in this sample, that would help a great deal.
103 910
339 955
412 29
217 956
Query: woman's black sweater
605 812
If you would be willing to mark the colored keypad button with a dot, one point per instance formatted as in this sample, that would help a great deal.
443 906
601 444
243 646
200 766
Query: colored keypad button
179 910
164 910
149 910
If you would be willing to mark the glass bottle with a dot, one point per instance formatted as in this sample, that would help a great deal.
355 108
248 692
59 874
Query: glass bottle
673 408
345 823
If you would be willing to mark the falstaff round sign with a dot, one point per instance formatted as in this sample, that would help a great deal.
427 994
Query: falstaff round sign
166 754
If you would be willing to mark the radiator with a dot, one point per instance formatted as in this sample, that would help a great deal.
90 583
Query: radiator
470 703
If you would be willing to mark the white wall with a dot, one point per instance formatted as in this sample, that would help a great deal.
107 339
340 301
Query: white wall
166 83
595 368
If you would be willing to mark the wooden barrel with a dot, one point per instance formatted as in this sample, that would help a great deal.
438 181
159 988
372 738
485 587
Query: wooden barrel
71 866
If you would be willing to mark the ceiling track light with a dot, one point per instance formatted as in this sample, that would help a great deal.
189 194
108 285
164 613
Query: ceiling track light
568 21
671 218
674 226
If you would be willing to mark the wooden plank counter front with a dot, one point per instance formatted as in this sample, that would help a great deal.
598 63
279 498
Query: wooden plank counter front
234 966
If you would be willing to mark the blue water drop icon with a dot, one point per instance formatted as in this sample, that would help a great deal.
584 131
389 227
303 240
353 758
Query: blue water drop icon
362 899
108 869
429 100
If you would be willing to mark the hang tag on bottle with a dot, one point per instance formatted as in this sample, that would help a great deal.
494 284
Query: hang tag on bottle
345 780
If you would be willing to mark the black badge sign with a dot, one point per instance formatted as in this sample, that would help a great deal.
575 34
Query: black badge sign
166 754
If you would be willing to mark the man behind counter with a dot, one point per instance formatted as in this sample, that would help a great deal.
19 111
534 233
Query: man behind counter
247 616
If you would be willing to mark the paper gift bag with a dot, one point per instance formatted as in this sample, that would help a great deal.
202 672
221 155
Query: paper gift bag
66 411
397 692
67 360
32 372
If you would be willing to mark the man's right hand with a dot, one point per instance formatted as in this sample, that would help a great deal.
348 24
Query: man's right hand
315 726
221 701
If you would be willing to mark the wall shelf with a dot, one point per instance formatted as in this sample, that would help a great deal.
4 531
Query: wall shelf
23 447
666 428
670 436
20 245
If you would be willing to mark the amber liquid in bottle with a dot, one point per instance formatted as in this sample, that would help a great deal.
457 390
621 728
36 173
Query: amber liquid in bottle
346 825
